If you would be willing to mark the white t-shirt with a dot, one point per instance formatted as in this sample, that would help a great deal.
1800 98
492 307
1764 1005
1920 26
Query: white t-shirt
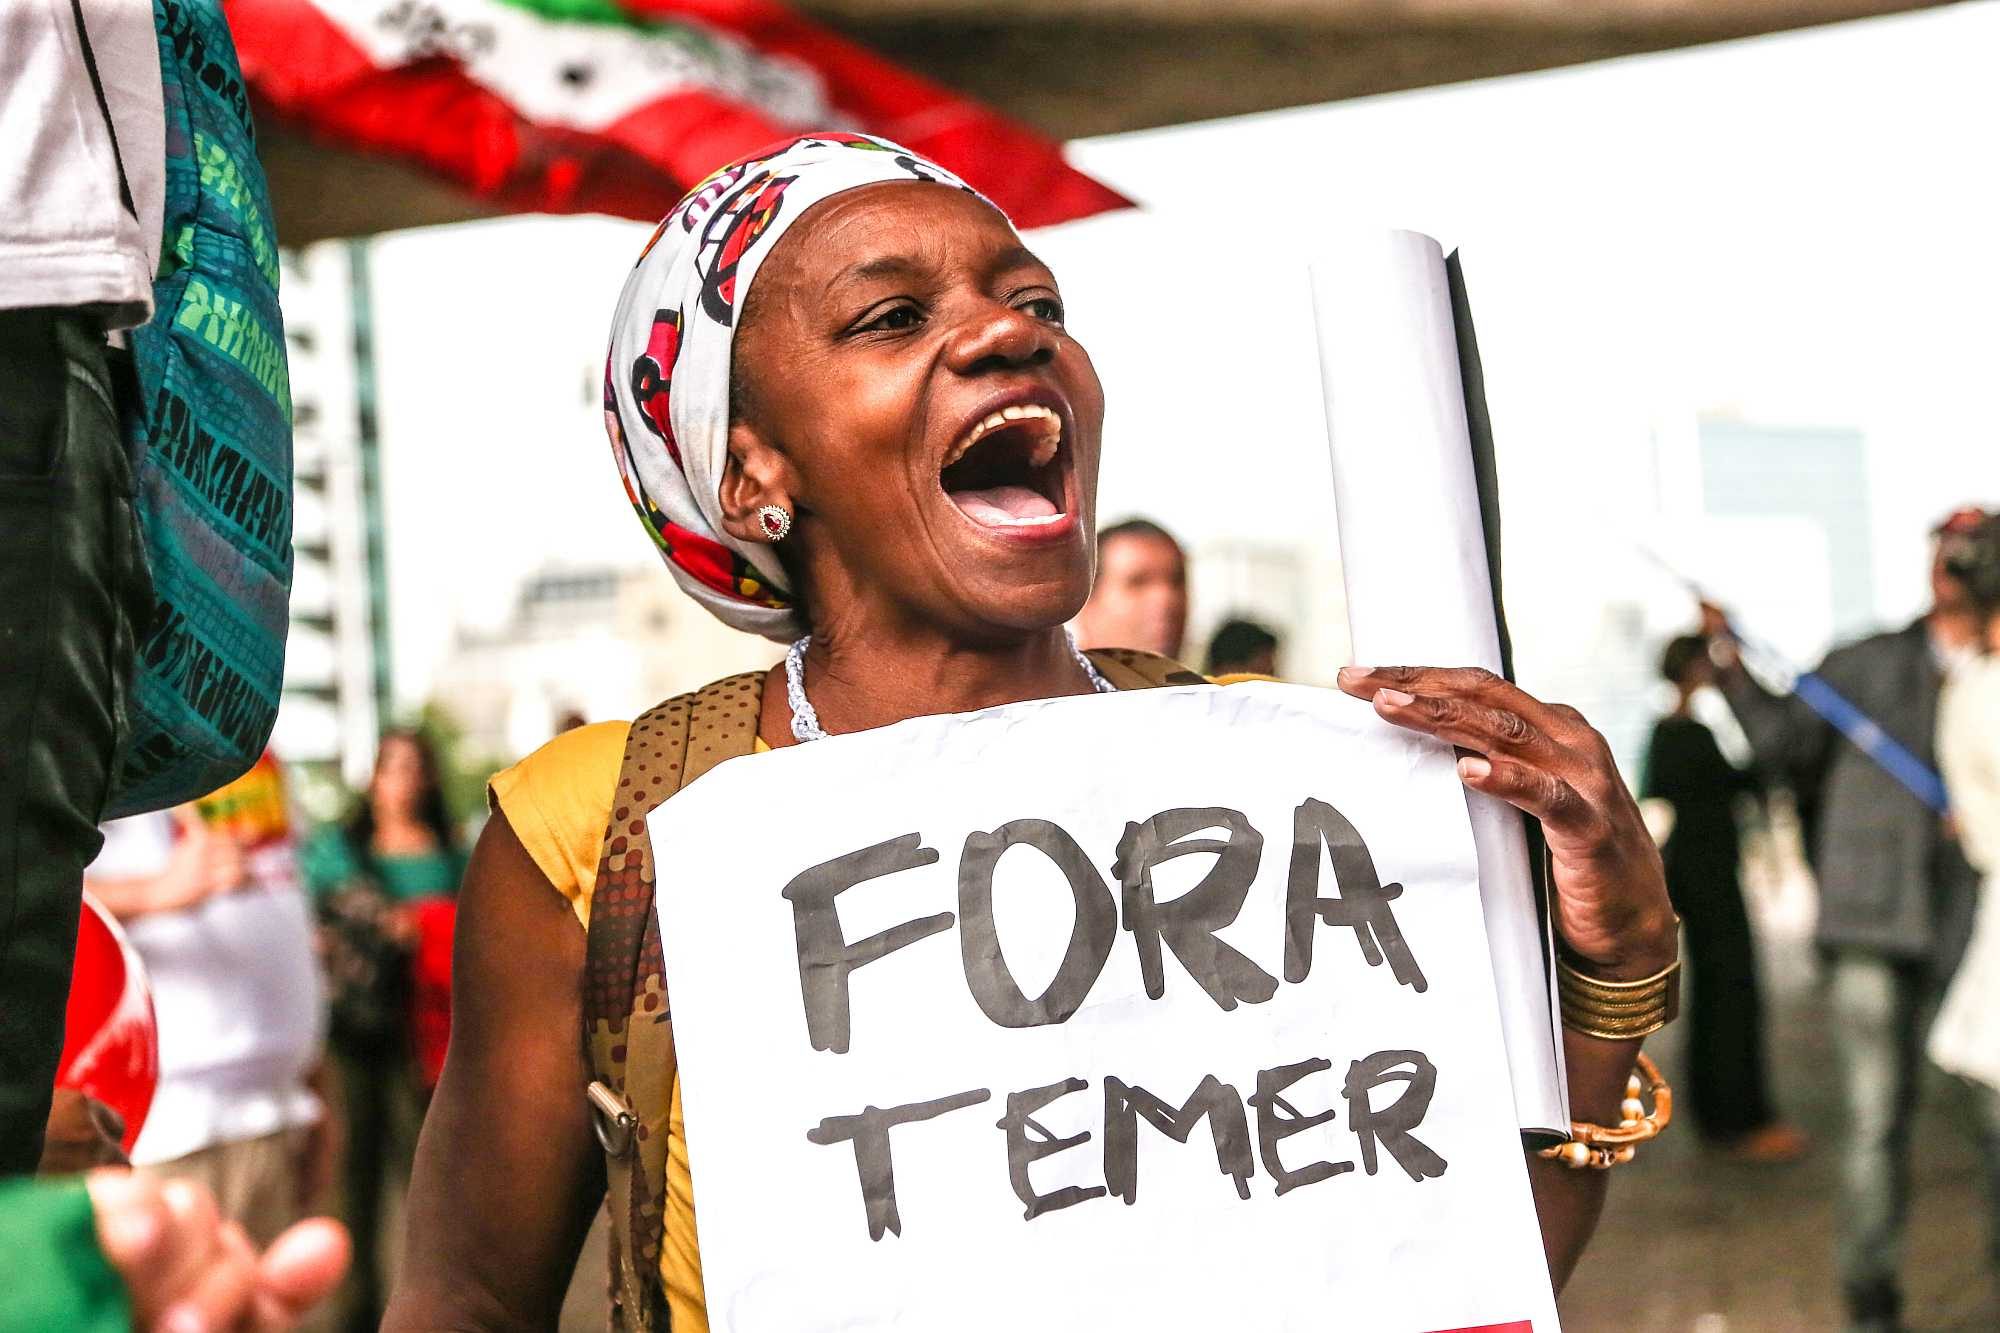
1968 744
237 992
67 237
1963 1040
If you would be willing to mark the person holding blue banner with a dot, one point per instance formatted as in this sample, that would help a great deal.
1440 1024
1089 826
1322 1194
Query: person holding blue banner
1855 740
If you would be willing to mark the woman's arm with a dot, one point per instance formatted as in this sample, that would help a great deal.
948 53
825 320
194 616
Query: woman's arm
1608 891
1567 1200
508 1171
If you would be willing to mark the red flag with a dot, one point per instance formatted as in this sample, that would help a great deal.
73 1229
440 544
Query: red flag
617 106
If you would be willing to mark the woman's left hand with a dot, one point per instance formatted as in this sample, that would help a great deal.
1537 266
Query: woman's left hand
1610 892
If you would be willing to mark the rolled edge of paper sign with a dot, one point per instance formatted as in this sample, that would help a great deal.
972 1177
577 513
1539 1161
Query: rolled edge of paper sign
1413 555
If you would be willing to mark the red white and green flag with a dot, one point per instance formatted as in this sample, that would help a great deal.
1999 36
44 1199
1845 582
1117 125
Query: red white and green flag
616 106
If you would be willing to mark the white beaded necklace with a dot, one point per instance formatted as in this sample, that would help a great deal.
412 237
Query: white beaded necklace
805 722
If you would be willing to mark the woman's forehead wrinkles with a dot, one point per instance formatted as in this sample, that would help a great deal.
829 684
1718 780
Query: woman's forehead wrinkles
899 230
881 266
1018 256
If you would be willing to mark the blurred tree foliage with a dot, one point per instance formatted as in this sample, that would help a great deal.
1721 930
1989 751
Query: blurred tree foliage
464 771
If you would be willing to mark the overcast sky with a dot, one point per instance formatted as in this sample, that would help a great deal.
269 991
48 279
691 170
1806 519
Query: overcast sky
1794 229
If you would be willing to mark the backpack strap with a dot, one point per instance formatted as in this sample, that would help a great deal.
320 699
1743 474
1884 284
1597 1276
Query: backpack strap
1134 669
628 1032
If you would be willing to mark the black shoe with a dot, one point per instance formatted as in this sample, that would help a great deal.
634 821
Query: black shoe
1874 1307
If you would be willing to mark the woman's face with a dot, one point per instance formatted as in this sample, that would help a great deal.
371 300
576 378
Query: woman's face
911 393
399 775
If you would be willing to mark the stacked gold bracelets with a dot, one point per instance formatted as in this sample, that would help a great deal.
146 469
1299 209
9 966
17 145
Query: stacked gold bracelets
1618 1010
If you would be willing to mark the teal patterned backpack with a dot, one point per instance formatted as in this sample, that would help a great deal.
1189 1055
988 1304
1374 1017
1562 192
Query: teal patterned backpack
211 440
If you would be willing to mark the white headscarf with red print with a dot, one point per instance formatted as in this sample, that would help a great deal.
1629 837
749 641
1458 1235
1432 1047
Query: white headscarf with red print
666 381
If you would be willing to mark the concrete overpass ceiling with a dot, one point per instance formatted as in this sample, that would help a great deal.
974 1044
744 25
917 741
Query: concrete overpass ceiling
1075 68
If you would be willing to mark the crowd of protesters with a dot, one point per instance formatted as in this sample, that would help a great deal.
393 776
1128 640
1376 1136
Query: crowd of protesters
1909 957
301 992
1859 743
104 118
301 980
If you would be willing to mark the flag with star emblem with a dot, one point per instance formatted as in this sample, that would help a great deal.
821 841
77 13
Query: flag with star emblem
616 106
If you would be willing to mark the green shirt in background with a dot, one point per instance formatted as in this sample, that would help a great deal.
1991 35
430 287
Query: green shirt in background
57 1276
329 863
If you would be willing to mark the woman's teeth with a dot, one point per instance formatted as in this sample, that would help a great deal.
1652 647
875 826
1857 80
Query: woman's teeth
1048 432
998 490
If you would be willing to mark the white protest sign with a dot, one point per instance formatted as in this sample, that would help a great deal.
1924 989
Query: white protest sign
1165 1009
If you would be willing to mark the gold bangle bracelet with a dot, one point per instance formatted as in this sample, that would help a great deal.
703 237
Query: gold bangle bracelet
1602 1146
1577 977
1617 1010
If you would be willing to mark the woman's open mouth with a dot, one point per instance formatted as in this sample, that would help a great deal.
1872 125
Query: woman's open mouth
1007 471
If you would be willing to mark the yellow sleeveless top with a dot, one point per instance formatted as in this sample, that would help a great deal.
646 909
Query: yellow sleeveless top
558 801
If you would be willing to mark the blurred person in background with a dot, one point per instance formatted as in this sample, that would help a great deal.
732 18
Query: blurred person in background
1966 1038
1243 648
379 877
82 195
82 1133
209 895
1728 1090
1895 900
124 121
1140 598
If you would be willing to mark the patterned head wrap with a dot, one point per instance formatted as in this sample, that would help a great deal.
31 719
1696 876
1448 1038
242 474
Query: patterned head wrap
666 381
